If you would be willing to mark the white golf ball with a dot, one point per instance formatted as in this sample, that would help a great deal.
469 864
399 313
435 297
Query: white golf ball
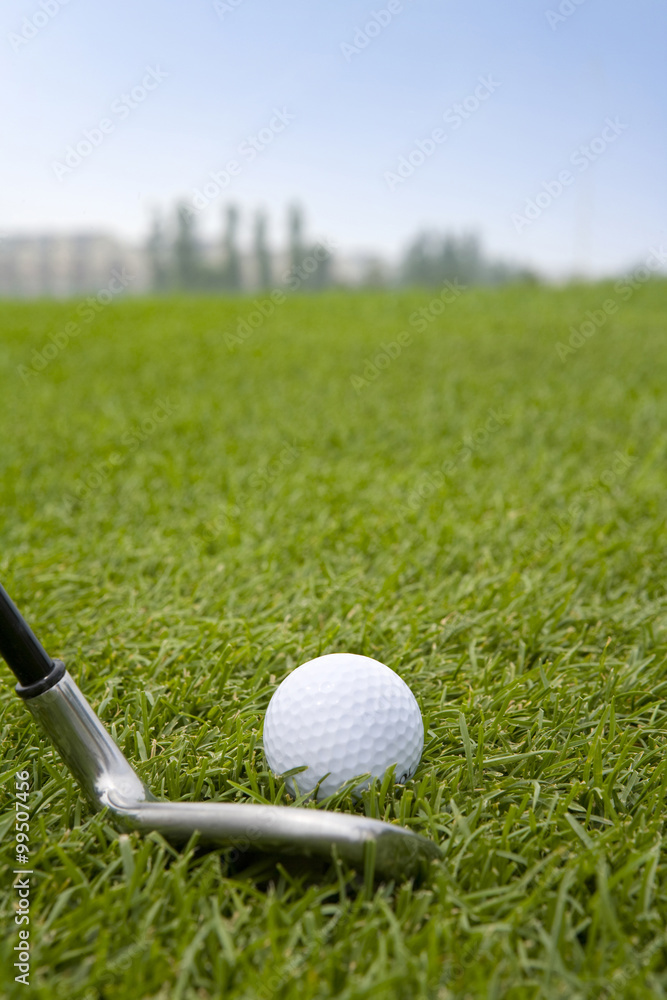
342 715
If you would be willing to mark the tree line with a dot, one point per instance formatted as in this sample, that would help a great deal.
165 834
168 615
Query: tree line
179 260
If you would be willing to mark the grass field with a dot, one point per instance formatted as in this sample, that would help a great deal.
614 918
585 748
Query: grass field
188 512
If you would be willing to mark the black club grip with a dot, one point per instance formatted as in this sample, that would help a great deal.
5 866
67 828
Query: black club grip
22 650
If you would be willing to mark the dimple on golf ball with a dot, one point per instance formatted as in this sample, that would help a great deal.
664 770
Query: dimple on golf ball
340 716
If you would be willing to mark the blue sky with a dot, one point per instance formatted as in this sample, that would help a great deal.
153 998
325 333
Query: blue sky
220 75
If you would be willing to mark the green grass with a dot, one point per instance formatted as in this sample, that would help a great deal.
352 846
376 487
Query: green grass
511 569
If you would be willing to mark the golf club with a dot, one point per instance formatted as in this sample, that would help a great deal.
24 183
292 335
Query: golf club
109 781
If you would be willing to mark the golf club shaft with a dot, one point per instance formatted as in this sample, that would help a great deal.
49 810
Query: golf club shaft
19 646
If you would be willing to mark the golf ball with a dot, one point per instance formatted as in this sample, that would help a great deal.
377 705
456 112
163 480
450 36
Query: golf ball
340 716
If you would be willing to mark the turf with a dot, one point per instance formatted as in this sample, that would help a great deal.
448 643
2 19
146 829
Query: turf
287 498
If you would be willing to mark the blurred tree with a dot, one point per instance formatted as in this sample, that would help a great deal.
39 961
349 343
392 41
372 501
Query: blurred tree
415 269
432 259
156 249
186 254
310 266
262 253
470 260
317 266
295 225
231 271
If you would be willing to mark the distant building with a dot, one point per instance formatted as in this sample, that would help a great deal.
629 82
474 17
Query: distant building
52 266
68 265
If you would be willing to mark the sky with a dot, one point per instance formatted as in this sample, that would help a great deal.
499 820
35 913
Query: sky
538 124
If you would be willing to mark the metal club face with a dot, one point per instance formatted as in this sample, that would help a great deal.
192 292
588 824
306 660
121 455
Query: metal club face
109 781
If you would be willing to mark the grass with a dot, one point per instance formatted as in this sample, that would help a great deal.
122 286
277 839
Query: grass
182 556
